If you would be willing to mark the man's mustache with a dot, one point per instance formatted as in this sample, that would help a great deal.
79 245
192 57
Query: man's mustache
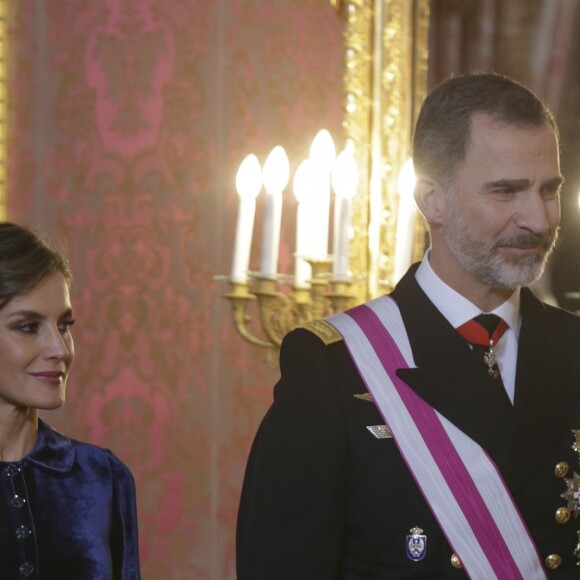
529 240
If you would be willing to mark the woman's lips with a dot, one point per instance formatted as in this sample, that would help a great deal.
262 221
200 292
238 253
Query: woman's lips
51 377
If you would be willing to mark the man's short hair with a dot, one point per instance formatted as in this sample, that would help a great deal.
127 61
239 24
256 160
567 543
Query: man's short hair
442 132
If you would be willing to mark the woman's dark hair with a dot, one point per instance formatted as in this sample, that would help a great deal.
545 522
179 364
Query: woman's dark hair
26 258
443 131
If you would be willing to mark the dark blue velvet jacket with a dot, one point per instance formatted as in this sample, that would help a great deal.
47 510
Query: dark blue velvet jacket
67 512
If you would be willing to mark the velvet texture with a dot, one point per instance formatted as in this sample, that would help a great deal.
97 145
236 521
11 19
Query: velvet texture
67 512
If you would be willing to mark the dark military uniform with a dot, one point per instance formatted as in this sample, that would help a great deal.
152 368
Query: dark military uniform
324 499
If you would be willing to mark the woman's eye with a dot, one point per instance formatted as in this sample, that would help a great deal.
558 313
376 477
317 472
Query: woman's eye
65 325
27 327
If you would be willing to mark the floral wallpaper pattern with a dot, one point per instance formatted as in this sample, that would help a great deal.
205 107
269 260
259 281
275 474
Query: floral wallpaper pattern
127 121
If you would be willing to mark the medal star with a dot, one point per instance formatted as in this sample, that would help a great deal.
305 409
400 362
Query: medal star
572 494
576 444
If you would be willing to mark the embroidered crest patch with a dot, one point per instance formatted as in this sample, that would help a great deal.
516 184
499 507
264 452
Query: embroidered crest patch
416 544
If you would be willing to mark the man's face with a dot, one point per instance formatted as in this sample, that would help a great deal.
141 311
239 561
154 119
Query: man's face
503 207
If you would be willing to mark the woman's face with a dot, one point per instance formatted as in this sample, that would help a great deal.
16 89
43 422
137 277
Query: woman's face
36 346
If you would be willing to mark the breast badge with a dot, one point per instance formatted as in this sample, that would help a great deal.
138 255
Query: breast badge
572 494
380 431
576 444
416 544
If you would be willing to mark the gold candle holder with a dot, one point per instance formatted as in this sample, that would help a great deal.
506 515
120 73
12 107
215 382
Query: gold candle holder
280 312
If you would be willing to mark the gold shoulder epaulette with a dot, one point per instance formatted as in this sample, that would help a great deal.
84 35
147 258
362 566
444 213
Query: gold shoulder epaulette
323 330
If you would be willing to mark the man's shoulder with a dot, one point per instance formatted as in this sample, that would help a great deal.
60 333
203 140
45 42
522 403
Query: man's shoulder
532 304
323 330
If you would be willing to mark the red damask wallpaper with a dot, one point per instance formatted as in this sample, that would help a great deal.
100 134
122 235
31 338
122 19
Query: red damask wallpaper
127 122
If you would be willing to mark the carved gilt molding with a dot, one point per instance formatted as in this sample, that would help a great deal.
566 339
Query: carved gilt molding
385 55
3 105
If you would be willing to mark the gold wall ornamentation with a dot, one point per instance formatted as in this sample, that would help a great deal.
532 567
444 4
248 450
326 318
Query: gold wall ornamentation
384 80
385 77
3 106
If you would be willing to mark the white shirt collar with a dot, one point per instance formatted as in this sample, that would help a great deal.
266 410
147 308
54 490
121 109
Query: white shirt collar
456 308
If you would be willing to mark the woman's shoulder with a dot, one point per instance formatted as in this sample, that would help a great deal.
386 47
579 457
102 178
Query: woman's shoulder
84 453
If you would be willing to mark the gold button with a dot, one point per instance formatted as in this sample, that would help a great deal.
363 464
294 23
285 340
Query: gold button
456 562
561 469
553 561
562 515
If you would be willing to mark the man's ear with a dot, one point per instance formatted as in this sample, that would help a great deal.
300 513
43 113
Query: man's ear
430 199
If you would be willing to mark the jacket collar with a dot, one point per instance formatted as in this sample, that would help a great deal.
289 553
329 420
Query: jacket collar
53 452
518 438
448 374
546 391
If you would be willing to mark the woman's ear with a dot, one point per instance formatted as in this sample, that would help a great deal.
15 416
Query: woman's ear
430 199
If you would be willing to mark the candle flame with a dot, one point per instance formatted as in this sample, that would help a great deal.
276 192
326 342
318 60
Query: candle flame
249 177
406 181
323 151
345 174
276 170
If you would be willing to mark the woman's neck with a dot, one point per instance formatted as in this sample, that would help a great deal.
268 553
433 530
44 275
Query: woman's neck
18 433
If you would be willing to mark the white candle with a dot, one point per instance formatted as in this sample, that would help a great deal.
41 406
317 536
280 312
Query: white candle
271 234
248 185
344 183
276 175
320 212
340 262
406 216
322 155
303 184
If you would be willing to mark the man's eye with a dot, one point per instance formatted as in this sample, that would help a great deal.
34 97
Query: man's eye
550 193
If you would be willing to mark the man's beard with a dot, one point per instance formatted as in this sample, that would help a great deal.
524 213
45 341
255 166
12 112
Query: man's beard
484 261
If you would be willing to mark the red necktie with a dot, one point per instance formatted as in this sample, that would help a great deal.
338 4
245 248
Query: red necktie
482 329
485 330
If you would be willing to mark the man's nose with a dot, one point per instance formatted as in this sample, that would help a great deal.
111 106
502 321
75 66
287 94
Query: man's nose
538 214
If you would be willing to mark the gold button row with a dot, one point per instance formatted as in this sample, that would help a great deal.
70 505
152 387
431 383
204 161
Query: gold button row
563 514
561 469
553 561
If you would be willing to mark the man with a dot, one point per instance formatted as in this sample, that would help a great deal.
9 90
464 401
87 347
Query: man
397 448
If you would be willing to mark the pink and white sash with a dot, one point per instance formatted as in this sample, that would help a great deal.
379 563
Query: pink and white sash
461 484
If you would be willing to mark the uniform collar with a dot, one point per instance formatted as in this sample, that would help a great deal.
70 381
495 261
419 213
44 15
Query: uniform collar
456 308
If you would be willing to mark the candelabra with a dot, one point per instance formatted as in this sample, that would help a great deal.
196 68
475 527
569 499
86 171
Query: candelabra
385 78
281 312
321 284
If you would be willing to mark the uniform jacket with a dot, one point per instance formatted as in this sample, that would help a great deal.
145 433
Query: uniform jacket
323 499
67 512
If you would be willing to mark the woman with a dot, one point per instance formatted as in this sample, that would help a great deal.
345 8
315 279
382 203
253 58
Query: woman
67 509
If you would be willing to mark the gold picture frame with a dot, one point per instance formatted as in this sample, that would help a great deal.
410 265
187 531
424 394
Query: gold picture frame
3 105
385 80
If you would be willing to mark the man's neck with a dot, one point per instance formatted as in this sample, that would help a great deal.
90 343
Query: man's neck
483 296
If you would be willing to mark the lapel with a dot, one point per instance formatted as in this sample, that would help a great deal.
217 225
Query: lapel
448 375
518 438
545 392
